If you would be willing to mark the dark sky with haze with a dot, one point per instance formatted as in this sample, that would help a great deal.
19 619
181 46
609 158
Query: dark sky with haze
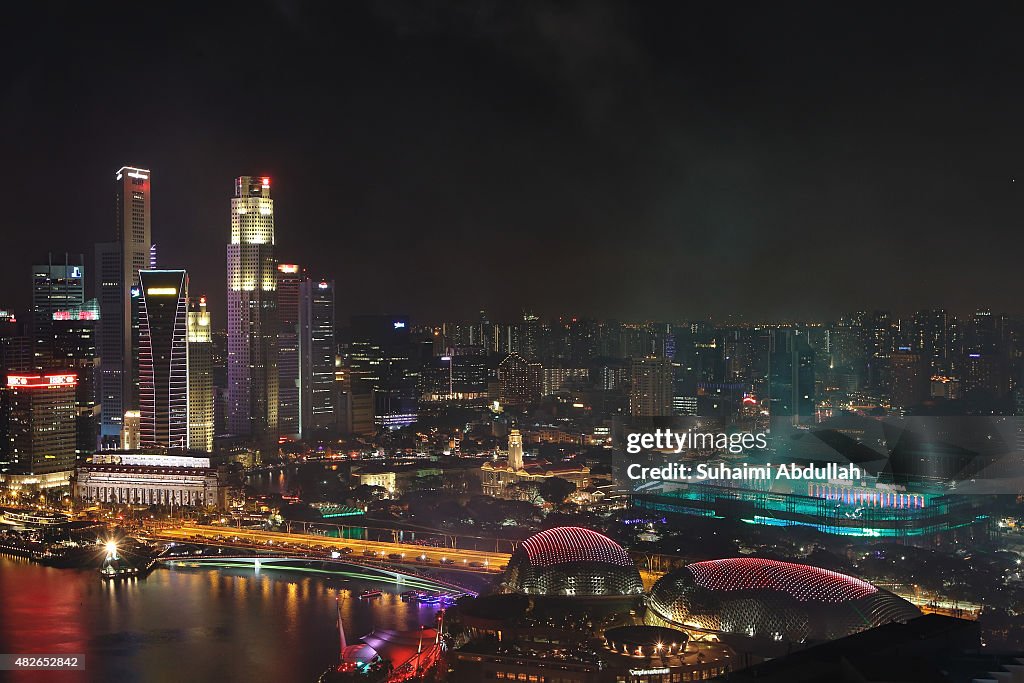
629 160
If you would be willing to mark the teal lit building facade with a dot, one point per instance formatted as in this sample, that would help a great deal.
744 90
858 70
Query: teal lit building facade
835 509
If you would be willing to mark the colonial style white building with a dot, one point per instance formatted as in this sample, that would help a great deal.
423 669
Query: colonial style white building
147 479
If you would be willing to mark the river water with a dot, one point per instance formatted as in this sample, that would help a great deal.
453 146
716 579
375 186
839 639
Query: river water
200 625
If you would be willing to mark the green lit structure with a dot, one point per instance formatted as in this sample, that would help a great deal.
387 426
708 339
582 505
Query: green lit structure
831 509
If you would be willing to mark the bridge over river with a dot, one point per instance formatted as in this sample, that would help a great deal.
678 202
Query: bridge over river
256 547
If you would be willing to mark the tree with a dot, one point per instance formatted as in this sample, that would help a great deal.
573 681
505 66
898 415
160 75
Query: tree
555 490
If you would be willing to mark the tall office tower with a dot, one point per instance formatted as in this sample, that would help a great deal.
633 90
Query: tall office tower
738 356
252 315
109 342
651 387
289 379
931 336
57 285
117 268
41 427
580 341
529 337
381 361
665 340
791 377
200 378
460 375
15 344
849 345
878 346
482 332
74 346
985 368
317 349
163 359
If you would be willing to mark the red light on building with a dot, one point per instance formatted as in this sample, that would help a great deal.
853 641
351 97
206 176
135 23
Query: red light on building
266 182
573 544
64 379
287 268
801 581
71 315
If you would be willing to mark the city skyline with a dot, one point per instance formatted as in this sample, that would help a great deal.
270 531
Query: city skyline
582 341
658 179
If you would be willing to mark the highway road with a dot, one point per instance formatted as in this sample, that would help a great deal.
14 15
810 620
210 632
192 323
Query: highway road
386 553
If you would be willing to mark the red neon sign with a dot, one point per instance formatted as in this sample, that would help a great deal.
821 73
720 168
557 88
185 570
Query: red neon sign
63 379
71 315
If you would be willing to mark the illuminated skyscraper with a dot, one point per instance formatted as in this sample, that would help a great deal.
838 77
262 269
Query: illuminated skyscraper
57 285
117 266
252 315
74 346
317 353
381 362
791 377
289 416
200 378
163 359
42 427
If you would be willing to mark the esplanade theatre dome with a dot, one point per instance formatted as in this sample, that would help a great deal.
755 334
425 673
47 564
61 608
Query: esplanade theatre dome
571 561
777 600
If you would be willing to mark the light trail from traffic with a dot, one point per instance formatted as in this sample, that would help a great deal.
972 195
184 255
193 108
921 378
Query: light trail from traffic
382 551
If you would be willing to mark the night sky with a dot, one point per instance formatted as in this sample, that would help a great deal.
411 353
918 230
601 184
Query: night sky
633 160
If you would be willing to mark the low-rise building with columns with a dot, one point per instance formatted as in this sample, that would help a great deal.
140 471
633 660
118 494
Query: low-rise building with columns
150 479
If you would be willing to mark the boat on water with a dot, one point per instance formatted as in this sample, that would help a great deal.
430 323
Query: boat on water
123 572
409 596
34 519
116 567
371 594
438 598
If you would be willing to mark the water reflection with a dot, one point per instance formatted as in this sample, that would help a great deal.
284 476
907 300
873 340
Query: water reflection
196 624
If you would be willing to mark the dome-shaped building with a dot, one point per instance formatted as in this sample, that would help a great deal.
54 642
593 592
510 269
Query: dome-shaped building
571 561
770 599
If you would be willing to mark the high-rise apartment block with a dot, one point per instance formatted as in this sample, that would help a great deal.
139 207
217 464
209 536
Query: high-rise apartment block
651 387
520 381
